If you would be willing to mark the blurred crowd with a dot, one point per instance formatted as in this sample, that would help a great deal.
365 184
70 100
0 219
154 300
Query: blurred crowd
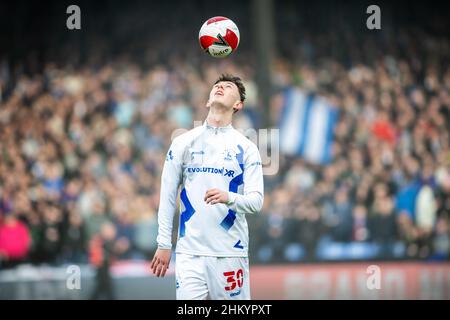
386 194
82 149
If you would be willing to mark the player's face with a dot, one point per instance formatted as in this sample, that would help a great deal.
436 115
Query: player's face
226 93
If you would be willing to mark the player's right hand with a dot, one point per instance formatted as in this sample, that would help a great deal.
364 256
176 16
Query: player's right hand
160 262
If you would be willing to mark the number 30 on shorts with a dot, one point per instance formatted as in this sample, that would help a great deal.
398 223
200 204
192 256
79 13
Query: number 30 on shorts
233 279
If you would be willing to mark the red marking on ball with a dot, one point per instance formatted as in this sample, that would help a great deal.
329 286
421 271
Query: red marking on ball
216 19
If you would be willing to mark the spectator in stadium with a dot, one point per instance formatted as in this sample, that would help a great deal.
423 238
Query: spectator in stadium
361 231
51 238
408 235
441 240
309 228
276 228
74 238
383 226
103 251
145 229
341 231
14 240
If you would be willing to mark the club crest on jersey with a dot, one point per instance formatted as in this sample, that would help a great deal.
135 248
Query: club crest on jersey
228 155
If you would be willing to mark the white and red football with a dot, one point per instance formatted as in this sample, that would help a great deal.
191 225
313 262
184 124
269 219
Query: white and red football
219 37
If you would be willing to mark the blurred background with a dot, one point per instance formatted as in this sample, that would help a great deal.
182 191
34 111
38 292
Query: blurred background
86 118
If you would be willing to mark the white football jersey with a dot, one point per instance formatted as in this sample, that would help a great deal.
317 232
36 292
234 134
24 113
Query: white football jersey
204 158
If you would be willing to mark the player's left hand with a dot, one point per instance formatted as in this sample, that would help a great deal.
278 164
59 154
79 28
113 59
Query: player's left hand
213 196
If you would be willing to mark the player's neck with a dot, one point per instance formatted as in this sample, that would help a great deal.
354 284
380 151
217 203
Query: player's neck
219 119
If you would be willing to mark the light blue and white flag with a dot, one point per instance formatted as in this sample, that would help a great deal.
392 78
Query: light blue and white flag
307 125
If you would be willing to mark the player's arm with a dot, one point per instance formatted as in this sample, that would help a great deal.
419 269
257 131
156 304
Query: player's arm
170 180
251 200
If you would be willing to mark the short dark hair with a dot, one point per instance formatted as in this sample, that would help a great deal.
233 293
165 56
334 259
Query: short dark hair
237 81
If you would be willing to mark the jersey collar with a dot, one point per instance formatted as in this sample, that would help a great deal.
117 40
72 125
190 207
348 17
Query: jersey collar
210 127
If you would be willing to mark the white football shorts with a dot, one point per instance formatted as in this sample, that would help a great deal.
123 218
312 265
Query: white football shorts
214 278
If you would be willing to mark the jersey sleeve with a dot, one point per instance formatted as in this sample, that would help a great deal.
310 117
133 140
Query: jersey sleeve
251 200
170 181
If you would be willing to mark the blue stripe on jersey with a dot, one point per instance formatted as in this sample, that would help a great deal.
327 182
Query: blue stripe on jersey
228 221
239 179
187 213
